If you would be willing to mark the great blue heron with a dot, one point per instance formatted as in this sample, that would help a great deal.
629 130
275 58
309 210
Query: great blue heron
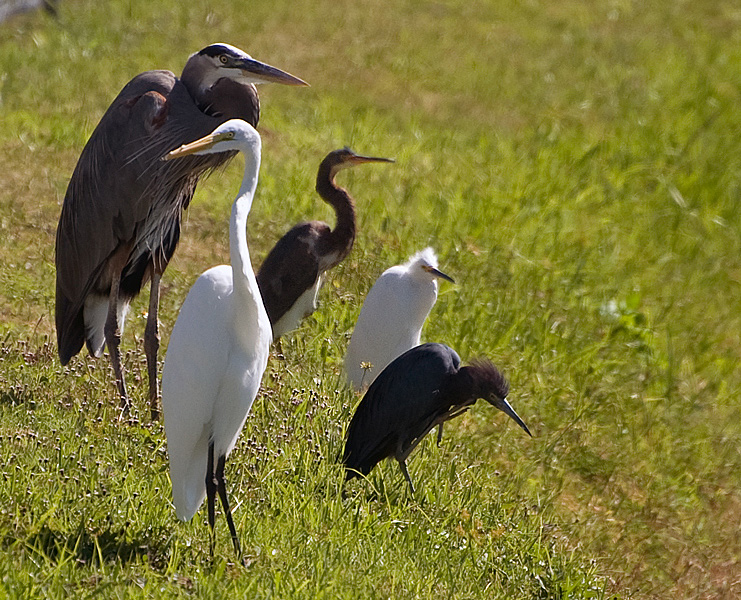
422 388
217 352
120 220
292 273
392 316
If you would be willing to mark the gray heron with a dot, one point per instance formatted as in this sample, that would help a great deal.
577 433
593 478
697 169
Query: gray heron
120 220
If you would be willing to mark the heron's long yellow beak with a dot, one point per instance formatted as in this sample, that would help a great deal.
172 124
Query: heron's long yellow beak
203 143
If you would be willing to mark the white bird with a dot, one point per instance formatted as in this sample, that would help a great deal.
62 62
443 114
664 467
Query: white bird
218 350
391 319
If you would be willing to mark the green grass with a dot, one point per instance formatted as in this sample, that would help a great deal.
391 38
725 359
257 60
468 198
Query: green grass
577 166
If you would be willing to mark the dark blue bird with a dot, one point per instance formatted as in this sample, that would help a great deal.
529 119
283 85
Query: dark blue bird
422 388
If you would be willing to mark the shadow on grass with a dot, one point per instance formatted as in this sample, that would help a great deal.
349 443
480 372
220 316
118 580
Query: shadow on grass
105 546
16 395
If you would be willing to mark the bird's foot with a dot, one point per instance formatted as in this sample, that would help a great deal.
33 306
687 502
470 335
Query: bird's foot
124 406
154 407
279 350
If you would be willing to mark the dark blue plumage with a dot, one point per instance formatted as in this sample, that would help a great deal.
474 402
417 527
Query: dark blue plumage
422 388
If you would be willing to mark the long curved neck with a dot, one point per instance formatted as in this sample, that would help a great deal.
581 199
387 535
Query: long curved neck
245 284
192 77
425 294
221 98
343 234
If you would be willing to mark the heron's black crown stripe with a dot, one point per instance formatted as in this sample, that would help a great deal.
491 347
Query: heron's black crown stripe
216 50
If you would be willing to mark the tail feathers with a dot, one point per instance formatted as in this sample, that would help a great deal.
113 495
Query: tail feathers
70 328
360 458
352 471
188 476
352 461
188 501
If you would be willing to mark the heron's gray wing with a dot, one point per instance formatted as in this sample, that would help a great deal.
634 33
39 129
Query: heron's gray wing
399 406
290 269
101 205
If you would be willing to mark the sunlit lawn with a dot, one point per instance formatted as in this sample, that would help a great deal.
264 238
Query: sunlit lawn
577 167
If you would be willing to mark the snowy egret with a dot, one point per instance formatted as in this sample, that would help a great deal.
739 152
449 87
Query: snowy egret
292 273
423 387
392 316
120 221
218 350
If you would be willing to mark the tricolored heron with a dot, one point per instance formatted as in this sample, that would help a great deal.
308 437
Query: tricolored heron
217 352
292 273
120 221
392 316
420 389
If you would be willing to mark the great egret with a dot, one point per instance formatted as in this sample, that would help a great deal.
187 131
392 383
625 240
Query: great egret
120 221
218 350
392 316
423 387
292 273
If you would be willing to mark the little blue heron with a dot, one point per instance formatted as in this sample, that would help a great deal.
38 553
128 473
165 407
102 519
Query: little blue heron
420 389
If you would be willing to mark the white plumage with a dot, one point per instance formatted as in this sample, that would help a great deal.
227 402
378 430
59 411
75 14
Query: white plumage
391 319
219 346
95 315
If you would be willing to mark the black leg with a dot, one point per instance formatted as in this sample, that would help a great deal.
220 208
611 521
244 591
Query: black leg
152 344
403 466
225 503
112 332
211 494
439 434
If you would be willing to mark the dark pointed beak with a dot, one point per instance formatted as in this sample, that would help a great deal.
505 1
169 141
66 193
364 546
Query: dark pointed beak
358 159
438 273
259 72
505 407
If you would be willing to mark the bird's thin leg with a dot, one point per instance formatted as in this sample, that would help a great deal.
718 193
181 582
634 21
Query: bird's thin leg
225 503
112 332
152 344
451 414
279 350
403 466
456 413
408 448
211 495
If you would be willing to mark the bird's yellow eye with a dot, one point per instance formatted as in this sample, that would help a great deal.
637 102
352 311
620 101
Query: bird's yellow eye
223 59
